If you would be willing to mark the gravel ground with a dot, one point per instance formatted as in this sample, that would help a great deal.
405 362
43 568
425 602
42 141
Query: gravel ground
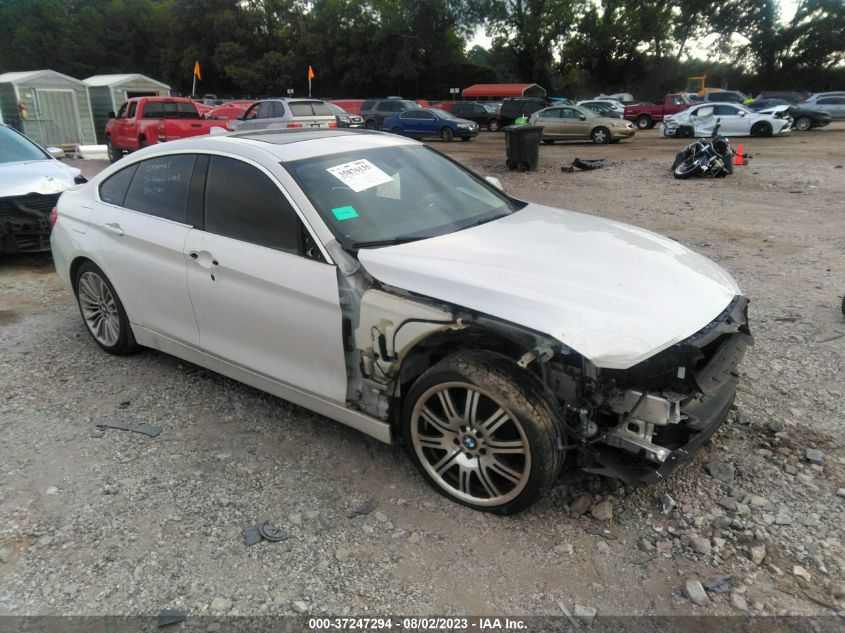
105 521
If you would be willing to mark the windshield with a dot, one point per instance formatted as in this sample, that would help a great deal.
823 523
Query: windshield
15 147
380 196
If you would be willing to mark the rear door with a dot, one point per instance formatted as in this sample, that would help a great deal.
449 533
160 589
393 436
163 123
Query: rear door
259 302
143 211
550 119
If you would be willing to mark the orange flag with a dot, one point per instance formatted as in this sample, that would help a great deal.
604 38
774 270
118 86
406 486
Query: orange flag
197 73
310 73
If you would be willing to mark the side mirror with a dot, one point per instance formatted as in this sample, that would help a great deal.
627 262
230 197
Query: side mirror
56 152
582 117
111 114
742 113
495 182
241 117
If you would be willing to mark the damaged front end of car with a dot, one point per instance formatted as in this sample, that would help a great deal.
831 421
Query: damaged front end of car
640 423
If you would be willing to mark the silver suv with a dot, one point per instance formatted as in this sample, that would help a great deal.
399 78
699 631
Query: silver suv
285 113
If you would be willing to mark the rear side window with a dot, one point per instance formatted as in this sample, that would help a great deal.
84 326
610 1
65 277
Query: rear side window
153 110
367 105
301 109
113 190
277 111
264 217
160 187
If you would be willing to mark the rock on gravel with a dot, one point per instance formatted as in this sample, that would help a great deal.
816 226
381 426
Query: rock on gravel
738 602
814 456
722 471
220 605
6 553
602 511
694 591
581 504
585 614
300 607
700 544
757 553
802 573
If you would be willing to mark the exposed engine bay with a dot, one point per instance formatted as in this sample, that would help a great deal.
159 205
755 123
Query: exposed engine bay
635 424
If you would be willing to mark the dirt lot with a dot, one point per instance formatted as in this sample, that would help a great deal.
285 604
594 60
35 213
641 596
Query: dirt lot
96 522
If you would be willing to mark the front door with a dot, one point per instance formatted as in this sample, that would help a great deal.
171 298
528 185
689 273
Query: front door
258 302
574 124
732 120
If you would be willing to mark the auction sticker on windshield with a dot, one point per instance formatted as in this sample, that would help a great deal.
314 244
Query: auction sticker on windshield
359 175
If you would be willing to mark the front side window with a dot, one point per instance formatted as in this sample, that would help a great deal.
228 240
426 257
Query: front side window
387 195
160 187
264 217
723 110
131 113
252 113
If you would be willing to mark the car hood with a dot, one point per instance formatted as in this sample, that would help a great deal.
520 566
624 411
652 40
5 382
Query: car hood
614 293
35 176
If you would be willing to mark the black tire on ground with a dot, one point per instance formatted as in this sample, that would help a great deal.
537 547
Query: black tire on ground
548 141
114 153
685 169
729 163
371 124
761 129
446 134
466 138
142 143
125 343
601 135
679 158
803 123
503 393
493 125
511 164
397 130
644 122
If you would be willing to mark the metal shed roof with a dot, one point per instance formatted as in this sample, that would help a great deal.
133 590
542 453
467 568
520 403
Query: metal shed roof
27 75
117 79
504 90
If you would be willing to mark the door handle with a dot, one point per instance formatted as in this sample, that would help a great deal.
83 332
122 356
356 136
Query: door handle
206 257
194 254
114 227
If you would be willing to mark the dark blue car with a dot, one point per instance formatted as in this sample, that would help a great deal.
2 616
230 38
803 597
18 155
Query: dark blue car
430 122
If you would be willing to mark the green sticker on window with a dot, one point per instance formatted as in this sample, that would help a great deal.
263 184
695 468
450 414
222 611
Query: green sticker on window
344 213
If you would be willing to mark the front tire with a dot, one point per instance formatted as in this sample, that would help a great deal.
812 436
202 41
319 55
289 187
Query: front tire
371 125
685 169
102 312
493 125
482 432
397 130
761 129
447 135
600 136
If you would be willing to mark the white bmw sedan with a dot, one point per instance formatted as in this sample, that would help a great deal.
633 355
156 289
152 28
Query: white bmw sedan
369 278
734 120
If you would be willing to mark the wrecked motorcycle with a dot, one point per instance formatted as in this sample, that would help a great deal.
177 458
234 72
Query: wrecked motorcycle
711 157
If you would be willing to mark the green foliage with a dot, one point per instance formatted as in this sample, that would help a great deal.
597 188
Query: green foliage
416 48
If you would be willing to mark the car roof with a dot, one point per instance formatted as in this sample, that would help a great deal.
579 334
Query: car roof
294 144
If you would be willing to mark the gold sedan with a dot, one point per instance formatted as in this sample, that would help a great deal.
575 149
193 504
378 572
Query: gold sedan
573 123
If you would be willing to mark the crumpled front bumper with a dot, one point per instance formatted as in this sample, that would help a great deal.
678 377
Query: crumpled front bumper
704 414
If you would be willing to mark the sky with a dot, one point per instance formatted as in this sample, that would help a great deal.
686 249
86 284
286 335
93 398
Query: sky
787 10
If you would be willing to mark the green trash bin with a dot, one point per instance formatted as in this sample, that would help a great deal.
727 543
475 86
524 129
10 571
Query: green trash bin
523 146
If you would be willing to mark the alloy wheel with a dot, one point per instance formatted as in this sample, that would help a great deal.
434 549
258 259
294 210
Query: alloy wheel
99 309
470 444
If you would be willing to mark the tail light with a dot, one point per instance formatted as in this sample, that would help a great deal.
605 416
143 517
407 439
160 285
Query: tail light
294 124
54 215
162 132
332 123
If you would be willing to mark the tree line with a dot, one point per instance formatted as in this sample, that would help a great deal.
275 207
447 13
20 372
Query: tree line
418 48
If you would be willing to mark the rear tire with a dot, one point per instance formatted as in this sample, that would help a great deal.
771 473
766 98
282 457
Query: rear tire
643 122
397 130
371 125
102 311
114 153
482 432
142 143
548 141
447 135
493 126
803 123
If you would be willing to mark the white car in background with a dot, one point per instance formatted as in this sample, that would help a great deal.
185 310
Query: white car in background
369 278
736 120
618 107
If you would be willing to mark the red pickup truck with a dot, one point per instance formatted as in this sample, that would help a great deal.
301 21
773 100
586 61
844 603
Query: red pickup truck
145 121
645 115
